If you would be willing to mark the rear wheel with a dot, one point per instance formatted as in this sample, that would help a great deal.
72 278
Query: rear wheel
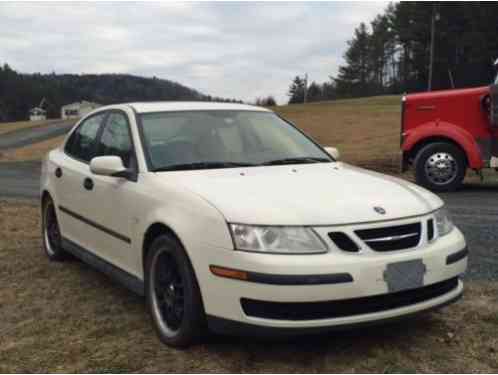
51 234
172 292
440 167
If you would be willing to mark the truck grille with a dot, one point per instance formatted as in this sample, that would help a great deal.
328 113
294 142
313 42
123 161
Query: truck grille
393 238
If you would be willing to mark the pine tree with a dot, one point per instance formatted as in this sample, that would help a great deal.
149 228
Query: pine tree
354 76
296 90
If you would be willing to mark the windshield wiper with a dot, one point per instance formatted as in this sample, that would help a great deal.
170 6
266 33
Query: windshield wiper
301 160
202 165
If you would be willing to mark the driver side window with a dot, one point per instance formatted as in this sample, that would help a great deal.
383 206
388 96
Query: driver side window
116 139
81 144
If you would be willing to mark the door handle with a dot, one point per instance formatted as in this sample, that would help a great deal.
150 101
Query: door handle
88 183
58 172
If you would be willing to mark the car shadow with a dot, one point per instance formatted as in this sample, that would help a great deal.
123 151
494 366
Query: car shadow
480 187
400 330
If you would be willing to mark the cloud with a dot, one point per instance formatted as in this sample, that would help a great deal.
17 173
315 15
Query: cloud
240 50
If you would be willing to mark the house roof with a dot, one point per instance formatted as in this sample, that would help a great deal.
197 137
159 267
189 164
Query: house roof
37 109
81 104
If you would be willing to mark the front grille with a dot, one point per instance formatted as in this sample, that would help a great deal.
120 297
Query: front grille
343 242
398 237
346 307
430 229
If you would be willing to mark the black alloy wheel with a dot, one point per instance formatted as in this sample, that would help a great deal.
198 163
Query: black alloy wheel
173 294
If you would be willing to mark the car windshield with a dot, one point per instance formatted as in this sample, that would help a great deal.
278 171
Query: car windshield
222 139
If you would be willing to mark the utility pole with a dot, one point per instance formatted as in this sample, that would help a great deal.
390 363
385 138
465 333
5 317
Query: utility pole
451 79
431 58
305 87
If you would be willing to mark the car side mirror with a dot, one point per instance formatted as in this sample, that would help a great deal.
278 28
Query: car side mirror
332 151
108 166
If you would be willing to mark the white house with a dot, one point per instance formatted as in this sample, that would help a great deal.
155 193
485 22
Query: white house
37 114
78 109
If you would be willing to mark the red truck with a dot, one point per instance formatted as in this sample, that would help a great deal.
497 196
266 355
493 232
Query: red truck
444 133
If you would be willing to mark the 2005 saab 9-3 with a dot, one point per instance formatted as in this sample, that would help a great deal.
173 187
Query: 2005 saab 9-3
228 217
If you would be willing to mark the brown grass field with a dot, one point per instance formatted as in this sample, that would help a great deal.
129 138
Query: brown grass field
66 317
366 131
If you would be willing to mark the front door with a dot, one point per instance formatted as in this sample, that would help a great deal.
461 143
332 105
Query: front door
117 197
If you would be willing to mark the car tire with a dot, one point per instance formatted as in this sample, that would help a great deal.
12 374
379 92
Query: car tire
440 167
51 234
172 293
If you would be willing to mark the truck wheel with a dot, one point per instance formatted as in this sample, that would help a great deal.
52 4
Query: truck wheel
440 167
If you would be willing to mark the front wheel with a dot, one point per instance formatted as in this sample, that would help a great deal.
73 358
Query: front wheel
172 292
440 167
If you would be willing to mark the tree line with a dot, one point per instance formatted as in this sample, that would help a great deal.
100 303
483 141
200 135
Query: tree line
20 92
391 54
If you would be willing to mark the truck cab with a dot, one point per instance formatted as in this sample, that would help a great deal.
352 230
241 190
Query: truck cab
444 133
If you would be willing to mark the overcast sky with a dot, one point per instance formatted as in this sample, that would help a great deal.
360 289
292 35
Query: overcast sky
239 50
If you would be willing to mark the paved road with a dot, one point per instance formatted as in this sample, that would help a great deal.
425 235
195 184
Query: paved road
24 137
20 179
474 210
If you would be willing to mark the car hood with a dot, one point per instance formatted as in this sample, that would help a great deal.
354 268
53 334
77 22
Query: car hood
311 194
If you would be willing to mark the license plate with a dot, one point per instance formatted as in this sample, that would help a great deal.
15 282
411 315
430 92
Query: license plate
405 275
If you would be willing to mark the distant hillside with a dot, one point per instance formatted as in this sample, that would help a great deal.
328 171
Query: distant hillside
19 92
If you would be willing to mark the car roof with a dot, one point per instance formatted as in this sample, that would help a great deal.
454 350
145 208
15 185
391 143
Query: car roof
147 107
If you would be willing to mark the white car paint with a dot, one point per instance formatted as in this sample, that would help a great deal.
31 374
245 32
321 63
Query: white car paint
196 206
309 194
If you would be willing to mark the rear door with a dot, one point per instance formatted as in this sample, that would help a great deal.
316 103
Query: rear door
75 197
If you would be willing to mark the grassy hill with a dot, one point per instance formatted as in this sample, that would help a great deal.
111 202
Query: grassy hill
366 130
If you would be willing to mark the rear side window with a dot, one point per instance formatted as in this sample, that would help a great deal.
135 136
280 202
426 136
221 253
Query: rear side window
82 143
116 139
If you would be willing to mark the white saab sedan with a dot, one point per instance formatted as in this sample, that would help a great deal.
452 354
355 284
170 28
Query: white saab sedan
228 217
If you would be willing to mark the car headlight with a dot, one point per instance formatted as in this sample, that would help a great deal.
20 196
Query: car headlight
276 239
443 222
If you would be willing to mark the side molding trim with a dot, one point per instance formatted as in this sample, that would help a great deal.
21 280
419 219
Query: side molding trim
278 279
130 281
95 225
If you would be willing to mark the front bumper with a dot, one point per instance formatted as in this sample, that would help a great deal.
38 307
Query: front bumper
237 328
222 297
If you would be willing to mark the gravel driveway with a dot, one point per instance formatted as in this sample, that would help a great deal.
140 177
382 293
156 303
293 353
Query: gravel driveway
475 211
